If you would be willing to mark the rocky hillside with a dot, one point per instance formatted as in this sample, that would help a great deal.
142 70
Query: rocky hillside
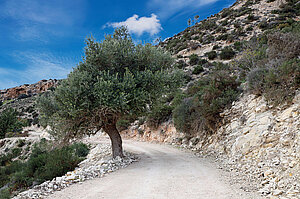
258 145
241 101
255 131
27 90
220 38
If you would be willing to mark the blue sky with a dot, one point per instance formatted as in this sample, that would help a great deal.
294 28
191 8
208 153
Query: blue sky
43 39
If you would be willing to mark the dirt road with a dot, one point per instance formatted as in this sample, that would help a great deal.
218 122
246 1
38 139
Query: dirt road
162 172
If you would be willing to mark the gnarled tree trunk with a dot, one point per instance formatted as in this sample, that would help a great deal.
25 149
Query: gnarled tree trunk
116 140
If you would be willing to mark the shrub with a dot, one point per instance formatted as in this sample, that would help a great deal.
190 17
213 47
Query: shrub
283 46
6 159
215 47
43 164
180 64
249 28
9 122
227 53
271 66
211 55
21 143
197 70
81 150
4 194
159 114
123 124
199 112
277 84
194 59
256 80
182 116
222 37
238 45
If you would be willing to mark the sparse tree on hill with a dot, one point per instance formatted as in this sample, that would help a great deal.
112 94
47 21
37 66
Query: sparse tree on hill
115 79
196 18
189 22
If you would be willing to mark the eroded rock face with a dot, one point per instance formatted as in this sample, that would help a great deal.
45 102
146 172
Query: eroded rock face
27 90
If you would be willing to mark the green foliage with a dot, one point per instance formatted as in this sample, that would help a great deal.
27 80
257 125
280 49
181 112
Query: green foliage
199 111
116 78
198 69
160 113
4 194
21 143
9 122
43 164
162 109
215 47
180 64
80 149
194 59
276 84
8 157
227 53
271 66
238 45
182 116
211 55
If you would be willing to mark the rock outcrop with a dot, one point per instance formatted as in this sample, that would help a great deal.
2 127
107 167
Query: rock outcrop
27 90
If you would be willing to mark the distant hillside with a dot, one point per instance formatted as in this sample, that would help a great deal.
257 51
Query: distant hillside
220 38
27 90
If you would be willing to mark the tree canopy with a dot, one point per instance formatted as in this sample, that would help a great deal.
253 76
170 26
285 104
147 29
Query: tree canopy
114 79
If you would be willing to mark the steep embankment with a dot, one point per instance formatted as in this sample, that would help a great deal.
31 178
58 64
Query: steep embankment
256 143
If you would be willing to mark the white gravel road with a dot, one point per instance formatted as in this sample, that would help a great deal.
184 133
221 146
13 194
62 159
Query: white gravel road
162 172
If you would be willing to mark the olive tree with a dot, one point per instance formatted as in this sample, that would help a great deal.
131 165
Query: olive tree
116 78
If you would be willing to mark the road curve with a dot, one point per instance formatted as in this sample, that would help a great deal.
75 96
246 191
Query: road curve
163 172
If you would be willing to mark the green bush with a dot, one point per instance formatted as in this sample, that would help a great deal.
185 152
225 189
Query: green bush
198 69
9 122
123 124
215 47
43 164
211 55
182 116
271 66
194 59
21 143
5 194
180 64
159 114
199 112
276 84
6 159
81 150
227 53
238 45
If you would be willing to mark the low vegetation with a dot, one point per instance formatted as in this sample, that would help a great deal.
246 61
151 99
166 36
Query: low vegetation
10 122
199 110
44 163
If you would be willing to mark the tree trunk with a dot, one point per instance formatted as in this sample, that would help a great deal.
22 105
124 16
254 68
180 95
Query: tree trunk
116 140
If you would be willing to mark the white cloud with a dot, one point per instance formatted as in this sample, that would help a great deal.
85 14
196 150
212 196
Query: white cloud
139 25
37 66
168 8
